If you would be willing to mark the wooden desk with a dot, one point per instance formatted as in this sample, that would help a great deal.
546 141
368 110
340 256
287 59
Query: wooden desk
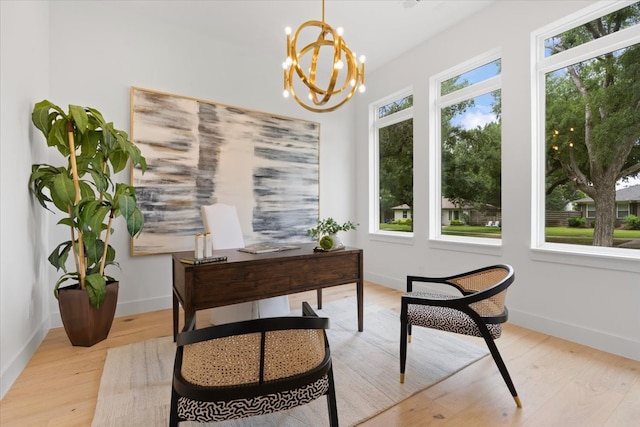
249 277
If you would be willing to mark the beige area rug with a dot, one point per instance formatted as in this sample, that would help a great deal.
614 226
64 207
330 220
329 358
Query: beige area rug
135 389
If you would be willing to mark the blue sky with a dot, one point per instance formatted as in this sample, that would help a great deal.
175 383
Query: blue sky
478 115
481 113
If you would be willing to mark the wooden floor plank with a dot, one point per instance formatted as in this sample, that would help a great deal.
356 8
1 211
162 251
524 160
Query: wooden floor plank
627 413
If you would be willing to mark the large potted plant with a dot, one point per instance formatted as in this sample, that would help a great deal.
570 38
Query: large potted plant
85 192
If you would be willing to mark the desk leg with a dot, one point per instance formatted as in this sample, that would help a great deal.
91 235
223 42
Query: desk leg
360 296
319 292
175 316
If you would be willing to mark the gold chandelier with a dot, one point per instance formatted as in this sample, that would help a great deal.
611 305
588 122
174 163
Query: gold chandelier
344 74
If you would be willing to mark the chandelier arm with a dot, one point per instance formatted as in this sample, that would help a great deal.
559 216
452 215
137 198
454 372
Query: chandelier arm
307 81
326 29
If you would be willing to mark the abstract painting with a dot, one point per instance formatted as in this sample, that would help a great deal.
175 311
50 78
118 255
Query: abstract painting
200 153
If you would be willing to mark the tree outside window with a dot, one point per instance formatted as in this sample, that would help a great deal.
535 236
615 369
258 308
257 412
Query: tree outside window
469 144
393 125
592 115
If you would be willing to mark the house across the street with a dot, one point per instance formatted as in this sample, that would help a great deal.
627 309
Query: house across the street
627 203
401 212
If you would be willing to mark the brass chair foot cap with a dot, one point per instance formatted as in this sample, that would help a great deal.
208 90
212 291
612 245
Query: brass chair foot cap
409 338
401 378
517 399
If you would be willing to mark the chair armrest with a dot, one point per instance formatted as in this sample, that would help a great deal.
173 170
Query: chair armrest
307 310
423 279
190 323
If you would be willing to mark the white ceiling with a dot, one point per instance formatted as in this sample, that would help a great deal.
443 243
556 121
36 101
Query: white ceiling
379 29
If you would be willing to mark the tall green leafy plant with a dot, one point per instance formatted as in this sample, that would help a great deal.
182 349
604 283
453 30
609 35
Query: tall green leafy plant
84 191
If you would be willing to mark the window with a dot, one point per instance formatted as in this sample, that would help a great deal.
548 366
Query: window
393 164
588 76
466 151
622 210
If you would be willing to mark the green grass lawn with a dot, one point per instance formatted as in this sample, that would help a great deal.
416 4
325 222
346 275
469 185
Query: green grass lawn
579 236
588 232
571 235
395 227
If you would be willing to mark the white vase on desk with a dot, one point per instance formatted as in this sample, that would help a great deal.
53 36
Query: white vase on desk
337 243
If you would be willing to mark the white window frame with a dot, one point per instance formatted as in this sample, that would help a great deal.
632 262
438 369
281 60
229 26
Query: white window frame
590 256
374 165
436 103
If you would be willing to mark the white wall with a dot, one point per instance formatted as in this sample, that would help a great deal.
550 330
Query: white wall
114 50
24 80
97 52
592 301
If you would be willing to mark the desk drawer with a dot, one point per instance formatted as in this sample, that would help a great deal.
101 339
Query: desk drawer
221 284
328 269
305 273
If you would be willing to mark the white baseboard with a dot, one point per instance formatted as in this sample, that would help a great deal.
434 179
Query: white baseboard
15 367
389 282
592 338
127 308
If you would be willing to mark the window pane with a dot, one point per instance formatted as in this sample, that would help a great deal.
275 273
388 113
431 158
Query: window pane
396 176
592 131
623 210
471 164
469 78
616 21
395 106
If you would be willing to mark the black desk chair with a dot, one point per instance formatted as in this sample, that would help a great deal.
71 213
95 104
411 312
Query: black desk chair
479 311
250 368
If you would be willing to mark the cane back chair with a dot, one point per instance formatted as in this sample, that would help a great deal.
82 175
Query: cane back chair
254 367
479 311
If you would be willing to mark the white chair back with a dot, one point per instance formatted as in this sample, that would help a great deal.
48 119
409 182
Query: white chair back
222 222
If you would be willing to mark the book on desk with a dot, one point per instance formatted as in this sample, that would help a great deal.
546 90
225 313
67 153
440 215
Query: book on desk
262 248
198 261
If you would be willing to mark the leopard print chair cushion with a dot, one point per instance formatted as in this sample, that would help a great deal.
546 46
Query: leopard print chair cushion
193 410
445 318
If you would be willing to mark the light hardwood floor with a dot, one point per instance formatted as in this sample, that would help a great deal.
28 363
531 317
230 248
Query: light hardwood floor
559 382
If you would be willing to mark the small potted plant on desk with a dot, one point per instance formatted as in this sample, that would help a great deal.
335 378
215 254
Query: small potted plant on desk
84 192
326 233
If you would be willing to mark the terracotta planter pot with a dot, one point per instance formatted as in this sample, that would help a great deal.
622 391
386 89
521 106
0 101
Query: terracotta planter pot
84 324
